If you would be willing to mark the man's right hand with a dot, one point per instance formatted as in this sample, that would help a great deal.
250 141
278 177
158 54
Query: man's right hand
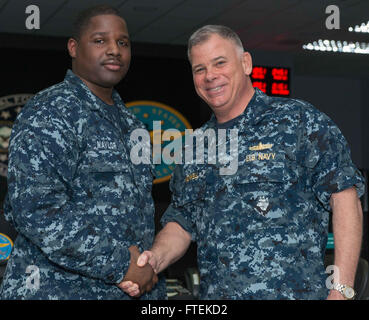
148 260
170 244
139 278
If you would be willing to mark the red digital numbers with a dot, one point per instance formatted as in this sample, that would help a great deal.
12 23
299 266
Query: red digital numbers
280 74
271 80
258 73
261 85
280 89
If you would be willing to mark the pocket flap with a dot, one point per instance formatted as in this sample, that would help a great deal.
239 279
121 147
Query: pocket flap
192 189
107 161
268 171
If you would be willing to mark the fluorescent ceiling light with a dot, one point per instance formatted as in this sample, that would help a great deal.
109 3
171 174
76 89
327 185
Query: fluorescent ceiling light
364 28
338 46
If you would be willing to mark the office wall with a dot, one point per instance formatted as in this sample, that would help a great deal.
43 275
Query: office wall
365 120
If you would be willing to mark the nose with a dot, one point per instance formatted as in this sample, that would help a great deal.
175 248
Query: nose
210 75
113 49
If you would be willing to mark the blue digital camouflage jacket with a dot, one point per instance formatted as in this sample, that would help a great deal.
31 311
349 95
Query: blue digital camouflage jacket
75 198
261 232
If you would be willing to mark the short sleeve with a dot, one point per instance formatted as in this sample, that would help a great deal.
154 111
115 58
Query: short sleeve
327 154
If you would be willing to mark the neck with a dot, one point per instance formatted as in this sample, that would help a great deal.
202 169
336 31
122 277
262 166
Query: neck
227 115
105 94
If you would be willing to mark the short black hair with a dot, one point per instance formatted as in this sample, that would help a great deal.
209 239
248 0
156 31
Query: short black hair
83 18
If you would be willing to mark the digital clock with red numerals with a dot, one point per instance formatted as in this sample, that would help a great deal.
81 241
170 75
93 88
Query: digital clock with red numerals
273 81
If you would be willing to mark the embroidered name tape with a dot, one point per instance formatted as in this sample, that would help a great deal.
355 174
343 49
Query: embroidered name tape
106 145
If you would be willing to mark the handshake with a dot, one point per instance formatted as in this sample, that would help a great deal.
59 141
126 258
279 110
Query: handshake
141 274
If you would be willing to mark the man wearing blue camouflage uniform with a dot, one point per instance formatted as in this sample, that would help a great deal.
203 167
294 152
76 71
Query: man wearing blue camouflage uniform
83 211
262 231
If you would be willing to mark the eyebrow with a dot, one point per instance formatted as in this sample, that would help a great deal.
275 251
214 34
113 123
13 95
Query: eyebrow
101 33
212 60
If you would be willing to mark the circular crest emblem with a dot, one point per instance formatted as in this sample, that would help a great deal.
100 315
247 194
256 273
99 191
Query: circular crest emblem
150 111
6 246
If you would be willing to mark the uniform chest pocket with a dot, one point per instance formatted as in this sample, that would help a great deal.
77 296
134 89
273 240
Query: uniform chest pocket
106 161
262 189
192 190
108 179
258 171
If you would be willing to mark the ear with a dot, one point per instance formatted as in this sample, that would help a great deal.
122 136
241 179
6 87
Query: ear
72 47
247 63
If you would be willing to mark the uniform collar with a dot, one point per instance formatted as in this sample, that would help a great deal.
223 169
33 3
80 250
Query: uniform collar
253 113
94 102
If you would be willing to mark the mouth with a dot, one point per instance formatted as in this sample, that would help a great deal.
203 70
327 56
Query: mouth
215 89
112 65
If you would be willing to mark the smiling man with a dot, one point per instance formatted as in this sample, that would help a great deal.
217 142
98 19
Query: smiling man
73 193
261 233
220 74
